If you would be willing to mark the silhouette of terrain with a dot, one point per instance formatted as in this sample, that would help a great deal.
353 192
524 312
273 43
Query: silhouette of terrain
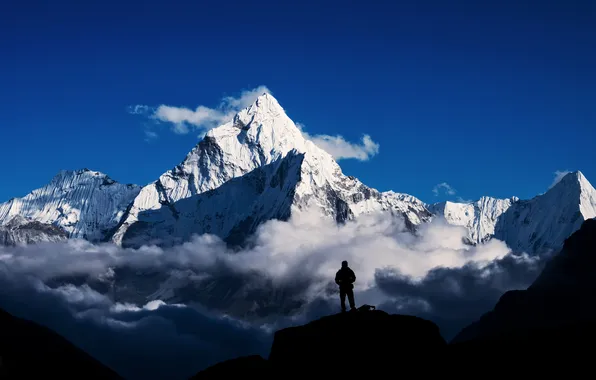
548 328
563 295
28 350
344 341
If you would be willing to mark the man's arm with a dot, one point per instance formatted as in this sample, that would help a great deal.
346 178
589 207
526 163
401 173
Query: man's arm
337 278
353 276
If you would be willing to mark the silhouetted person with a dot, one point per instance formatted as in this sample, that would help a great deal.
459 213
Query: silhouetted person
345 278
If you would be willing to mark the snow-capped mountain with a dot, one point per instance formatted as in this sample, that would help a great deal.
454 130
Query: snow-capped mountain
254 168
257 167
534 226
480 217
82 204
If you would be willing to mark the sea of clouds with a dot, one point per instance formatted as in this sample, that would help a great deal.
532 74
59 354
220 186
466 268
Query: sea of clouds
432 274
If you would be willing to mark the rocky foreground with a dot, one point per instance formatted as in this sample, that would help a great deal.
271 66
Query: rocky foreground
356 343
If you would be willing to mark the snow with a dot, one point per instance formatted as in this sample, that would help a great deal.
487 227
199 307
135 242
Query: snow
534 226
84 203
241 159
256 167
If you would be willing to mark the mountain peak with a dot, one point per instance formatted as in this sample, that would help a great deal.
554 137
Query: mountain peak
574 180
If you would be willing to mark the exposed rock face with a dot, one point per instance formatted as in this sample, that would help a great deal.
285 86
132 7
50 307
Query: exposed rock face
23 231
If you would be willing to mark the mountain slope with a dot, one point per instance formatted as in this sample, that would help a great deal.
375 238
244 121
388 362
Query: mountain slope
563 294
28 350
535 226
478 217
22 231
244 154
84 204
544 222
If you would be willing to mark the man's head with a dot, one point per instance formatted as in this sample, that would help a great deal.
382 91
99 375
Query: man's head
344 264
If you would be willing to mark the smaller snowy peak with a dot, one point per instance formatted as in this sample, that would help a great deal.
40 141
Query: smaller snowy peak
479 217
542 224
84 203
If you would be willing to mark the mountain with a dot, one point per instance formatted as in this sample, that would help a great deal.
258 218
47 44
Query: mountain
480 217
19 230
562 295
258 167
78 204
252 169
30 350
535 226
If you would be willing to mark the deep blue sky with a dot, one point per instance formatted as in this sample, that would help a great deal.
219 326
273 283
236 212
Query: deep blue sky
489 97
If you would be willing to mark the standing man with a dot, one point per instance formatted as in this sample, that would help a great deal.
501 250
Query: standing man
345 278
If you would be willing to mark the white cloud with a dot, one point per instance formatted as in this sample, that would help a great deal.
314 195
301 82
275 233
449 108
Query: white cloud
445 187
559 174
150 135
341 149
201 118
184 120
138 109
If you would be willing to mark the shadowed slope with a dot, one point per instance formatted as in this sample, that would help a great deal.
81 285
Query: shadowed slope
28 349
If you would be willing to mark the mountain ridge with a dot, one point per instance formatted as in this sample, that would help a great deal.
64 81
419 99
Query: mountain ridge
90 205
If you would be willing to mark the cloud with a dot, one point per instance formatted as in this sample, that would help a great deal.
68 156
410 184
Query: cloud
150 135
445 187
183 120
153 341
454 297
559 174
341 149
221 303
202 118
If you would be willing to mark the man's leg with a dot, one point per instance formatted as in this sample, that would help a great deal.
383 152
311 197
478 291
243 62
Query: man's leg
342 297
351 299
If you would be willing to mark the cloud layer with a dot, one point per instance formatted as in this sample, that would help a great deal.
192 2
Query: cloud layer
284 278
201 119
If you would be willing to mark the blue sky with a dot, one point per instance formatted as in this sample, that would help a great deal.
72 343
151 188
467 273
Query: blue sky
490 97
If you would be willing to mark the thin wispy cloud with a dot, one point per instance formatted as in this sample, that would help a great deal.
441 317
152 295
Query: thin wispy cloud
559 174
445 188
183 120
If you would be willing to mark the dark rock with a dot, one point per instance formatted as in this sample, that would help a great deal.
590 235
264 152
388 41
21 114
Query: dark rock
28 350
562 297
245 366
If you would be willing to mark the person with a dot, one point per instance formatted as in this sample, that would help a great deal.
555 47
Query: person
345 278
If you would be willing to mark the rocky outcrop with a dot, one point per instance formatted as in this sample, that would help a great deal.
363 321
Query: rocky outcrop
29 350
339 343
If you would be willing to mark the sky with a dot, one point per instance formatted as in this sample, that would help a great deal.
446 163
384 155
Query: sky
463 98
